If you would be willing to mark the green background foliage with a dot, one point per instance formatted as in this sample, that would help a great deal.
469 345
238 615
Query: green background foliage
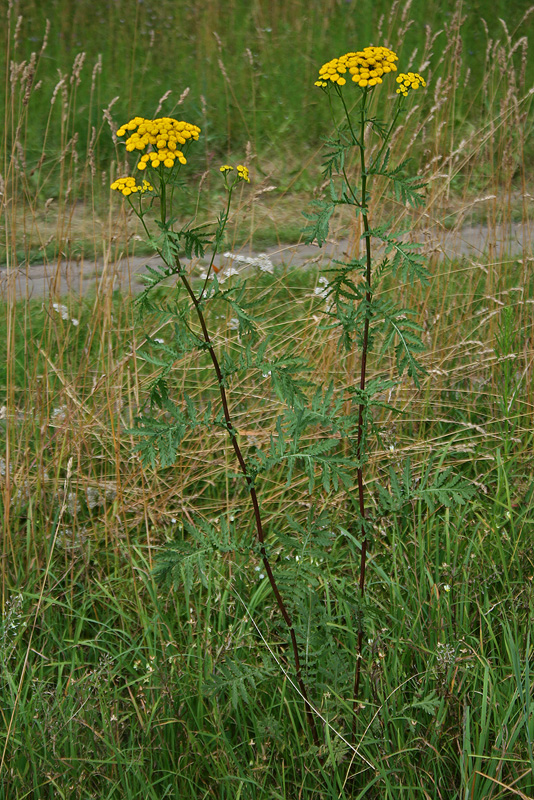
269 52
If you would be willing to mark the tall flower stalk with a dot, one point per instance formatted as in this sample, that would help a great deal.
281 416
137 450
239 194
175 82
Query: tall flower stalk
164 143
358 312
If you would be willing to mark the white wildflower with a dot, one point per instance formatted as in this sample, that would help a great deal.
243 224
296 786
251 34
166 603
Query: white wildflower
262 261
59 414
11 620
323 289
93 497
72 503
64 311
445 655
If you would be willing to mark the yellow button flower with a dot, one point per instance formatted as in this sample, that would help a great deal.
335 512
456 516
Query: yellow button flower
163 134
128 186
366 68
242 173
408 81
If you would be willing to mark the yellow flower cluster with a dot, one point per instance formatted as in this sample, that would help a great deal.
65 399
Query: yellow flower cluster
364 67
242 172
128 186
409 80
165 135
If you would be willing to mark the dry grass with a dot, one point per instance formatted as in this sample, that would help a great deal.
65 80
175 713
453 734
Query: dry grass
475 170
77 506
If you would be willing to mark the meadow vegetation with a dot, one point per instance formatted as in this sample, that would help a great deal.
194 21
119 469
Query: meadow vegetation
117 684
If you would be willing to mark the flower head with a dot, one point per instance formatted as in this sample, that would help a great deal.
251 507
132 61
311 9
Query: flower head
161 138
242 173
409 80
129 186
364 67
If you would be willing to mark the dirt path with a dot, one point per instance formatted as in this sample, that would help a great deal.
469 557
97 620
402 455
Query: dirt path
476 243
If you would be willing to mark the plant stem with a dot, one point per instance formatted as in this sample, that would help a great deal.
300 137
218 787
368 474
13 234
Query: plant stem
254 498
360 444
163 201
197 303
220 231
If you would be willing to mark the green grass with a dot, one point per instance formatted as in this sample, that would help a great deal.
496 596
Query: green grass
118 687
115 686
270 54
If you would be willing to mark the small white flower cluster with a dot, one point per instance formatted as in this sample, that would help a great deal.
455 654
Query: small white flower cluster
228 273
262 261
94 497
67 539
59 414
73 504
445 655
11 620
322 291
221 277
64 311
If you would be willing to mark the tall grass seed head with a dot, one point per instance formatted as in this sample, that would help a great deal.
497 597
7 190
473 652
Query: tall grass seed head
161 138
364 67
408 81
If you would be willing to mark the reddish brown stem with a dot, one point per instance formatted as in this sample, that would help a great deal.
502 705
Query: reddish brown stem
361 489
255 505
361 422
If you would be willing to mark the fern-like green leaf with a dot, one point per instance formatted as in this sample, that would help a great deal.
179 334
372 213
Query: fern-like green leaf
318 230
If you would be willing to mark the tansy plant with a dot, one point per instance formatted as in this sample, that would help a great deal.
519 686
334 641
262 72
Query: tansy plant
365 319
321 433
162 145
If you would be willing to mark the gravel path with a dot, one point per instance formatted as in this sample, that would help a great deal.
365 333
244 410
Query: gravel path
476 243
